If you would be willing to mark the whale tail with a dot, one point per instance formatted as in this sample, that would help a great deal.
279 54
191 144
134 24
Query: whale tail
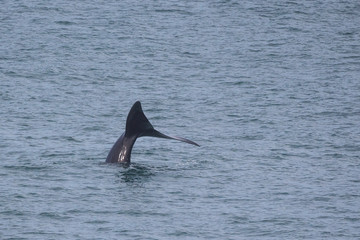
138 125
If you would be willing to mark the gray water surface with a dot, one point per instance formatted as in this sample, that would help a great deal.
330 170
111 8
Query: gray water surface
269 89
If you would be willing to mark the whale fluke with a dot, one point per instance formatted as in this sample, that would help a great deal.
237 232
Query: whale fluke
137 125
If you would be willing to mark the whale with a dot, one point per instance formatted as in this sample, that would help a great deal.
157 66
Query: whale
137 125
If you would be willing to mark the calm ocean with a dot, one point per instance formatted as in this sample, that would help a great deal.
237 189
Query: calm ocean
269 89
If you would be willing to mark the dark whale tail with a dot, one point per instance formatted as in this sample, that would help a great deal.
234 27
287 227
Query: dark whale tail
138 125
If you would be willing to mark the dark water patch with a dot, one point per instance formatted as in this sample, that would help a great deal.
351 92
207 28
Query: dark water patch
134 212
32 167
135 174
95 222
55 155
71 139
92 188
48 234
352 220
18 196
13 212
334 155
322 199
77 211
252 138
57 189
104 229
65 23
238 83
239 219
53 215
93 128
174 11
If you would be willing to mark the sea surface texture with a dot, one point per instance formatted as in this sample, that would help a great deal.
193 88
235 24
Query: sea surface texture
269 89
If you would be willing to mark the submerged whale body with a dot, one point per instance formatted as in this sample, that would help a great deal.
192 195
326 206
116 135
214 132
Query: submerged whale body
137 125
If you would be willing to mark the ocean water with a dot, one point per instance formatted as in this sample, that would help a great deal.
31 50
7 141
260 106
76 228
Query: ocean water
269 89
